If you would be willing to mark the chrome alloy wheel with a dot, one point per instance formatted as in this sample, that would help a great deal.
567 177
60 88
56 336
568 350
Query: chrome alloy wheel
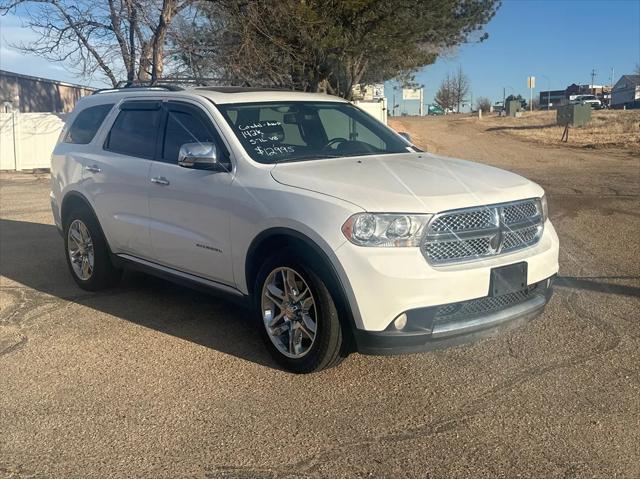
80 246
289 312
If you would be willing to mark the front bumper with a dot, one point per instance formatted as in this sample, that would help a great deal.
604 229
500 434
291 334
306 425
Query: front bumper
382 283
438 327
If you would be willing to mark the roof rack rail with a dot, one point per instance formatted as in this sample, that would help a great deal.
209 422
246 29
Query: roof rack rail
158 86
179 84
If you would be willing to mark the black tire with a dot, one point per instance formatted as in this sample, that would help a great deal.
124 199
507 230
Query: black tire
328 348
104 274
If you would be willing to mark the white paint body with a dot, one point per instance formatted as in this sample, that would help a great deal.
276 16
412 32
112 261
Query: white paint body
227 211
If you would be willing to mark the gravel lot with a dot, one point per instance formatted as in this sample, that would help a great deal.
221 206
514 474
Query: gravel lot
155 380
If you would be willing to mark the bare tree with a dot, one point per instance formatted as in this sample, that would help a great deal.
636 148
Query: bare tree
483 104
445 96
453 91
120 39
460 87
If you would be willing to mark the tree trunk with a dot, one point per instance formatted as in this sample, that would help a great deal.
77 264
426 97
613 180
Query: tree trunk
166 15
144 67
125 51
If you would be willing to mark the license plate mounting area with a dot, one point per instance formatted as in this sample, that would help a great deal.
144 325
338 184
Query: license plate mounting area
508 279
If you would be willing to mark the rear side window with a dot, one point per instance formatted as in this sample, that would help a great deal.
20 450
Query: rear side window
86 124
135 130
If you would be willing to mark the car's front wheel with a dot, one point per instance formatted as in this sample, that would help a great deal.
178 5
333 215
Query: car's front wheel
299 319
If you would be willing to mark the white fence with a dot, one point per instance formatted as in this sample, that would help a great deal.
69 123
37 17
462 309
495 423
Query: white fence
27 139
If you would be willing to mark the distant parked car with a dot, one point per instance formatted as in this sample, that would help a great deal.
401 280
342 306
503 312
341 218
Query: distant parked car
434 110
590 100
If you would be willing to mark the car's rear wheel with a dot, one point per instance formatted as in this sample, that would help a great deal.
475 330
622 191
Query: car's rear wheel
298 316
87 252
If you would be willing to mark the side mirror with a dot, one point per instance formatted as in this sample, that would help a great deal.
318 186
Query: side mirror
405 135
200 156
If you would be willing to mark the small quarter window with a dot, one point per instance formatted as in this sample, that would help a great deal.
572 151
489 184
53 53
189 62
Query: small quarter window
86 124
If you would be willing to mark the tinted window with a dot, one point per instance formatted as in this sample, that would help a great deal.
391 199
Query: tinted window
86 124
184 125
134 132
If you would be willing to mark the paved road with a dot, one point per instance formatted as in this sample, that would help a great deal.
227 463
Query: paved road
154 380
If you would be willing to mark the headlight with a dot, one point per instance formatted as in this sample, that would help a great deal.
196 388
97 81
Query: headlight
381 229
545 208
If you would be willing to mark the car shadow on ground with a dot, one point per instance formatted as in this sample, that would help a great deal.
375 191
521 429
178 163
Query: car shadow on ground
32 254
596 284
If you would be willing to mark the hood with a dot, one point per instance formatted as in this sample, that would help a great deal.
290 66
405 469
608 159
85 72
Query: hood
407 182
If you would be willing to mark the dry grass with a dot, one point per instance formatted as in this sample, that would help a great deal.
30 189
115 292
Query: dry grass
608 128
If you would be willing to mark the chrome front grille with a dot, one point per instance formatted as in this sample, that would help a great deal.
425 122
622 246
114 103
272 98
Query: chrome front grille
463 221
524 236
444 250
480 232
519 212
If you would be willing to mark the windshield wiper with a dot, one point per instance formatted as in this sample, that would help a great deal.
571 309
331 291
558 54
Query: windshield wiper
306 157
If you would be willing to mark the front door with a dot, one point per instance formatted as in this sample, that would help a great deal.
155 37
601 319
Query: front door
189 208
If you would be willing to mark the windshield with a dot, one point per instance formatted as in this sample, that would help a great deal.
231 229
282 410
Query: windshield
275 132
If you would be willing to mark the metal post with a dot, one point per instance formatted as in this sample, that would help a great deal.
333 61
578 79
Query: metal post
393 108
16 138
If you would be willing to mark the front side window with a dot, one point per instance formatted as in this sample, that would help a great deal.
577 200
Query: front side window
274 132
86 124
135 130
184 125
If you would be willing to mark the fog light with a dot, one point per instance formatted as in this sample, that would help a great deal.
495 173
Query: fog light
400 322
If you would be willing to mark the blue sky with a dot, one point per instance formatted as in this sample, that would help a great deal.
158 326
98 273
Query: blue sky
561 39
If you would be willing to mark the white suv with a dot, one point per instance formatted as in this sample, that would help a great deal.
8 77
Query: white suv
338 232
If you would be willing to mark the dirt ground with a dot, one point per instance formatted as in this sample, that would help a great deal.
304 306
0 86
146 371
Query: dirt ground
606 129
154 380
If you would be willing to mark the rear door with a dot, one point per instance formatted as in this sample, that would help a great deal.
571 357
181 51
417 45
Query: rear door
117 177
189 208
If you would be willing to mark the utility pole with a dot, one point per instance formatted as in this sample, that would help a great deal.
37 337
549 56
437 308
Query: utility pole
593 76
612 76
548 90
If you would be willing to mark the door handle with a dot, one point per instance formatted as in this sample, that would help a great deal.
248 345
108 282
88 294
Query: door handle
160 180
93 168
